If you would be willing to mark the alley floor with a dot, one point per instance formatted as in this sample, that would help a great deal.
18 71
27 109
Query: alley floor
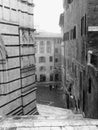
53 97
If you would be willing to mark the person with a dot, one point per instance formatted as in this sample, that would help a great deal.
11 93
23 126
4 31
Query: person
75 104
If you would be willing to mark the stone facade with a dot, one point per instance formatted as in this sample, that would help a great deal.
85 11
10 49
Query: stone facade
79 16
17 64
48 46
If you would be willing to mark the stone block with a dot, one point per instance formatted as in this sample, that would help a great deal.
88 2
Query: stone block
6 14
29 107
10 40
8 29
28 80
13 62
14 4
14 85
29 98
12 51
13 74
14 15
6 3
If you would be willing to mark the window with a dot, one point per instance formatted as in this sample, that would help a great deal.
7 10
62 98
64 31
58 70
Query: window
49 47
42 78
90 85
69 1
35 77
56 59
94 60
83 25
74 32
56 50
56 77
51 58
66 36
42 47
42 68
42 59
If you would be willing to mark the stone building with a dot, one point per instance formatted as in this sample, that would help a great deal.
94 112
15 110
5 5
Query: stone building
80 32
17 58
48 55
63 68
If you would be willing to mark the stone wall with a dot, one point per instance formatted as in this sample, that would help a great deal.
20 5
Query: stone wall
75 47
17 59
92 13
92 81
79 16
51 67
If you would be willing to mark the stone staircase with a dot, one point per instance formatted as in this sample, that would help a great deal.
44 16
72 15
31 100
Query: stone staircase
49 118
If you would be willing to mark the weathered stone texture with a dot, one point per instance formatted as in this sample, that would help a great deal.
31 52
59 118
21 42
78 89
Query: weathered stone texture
17 61
81 14
92 13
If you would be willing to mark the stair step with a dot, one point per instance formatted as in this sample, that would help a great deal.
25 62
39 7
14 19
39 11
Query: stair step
50 112
52 118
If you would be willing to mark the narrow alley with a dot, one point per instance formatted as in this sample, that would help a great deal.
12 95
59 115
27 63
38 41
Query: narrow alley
48 64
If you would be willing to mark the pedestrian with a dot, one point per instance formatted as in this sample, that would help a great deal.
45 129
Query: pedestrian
75 104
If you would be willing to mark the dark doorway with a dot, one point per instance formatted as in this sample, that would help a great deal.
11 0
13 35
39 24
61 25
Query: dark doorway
56 77
42 78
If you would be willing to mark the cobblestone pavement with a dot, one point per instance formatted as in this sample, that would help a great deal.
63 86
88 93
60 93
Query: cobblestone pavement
52 97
